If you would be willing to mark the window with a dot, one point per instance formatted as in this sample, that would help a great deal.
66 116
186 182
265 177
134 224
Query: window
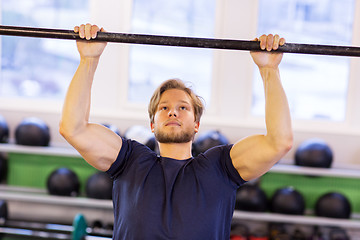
34 67
316 86
151 65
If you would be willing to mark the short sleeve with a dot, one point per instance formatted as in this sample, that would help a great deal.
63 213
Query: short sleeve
229 167
131 152
221 154
118 166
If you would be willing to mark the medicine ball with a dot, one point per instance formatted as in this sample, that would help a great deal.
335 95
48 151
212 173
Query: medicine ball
333 205
251 198
314 153
4 130
153 145
63 182
99 186
3 167
208 140
139 133
287 200
32 132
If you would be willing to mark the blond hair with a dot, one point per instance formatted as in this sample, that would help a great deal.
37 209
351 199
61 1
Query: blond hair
175 84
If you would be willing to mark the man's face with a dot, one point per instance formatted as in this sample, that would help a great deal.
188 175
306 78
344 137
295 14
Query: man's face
174 120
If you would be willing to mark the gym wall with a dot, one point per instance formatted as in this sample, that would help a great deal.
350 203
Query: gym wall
237 20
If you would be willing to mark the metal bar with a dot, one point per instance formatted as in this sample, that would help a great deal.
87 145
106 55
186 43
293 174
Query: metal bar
38 226
42 234
229 44
56 200
33 234
52 228
296 219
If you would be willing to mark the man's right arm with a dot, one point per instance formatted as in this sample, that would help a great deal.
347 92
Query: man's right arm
97 144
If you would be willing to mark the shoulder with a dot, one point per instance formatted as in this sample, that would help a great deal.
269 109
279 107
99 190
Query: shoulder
215 156
218 152
131 151
131 148
219 158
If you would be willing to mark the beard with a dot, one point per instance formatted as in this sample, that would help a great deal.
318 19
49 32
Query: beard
182 137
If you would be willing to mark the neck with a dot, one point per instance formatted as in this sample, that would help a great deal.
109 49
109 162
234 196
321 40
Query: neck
179 151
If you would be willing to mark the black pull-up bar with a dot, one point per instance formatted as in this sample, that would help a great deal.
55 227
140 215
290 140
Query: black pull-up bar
229 44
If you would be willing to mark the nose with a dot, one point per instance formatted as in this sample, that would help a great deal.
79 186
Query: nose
172 113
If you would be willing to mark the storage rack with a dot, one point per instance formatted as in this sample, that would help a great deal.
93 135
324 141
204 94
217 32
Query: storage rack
26 195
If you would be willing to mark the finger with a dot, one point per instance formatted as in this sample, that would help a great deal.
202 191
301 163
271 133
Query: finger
82 31
102 30
93 31
262 42
88 31
282 41
269 42
276 42
256 40
76 29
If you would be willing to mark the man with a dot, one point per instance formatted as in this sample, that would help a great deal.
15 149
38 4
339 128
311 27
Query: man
175 196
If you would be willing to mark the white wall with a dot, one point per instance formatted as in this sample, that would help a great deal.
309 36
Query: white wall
232 76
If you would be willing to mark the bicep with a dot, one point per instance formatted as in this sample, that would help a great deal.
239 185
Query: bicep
98 145
253 156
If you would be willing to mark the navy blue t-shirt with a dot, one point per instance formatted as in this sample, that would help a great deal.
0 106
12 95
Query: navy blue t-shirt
163 198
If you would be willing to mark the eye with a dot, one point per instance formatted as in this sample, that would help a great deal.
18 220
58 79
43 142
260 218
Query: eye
164 108
183 108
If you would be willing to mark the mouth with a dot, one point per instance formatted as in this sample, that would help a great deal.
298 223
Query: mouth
172 123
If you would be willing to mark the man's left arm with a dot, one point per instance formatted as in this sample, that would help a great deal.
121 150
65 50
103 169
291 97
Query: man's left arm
255 155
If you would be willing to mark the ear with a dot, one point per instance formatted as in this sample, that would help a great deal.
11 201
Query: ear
197 126
152 126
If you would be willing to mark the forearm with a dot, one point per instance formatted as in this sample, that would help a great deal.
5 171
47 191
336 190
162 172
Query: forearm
76 107
277 113
265 150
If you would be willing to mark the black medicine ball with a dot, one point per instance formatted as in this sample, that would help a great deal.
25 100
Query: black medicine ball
3 167
251 198
287 201
208 140
333 205
314 153
99 186
4 130
63 182
153 145
32 132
